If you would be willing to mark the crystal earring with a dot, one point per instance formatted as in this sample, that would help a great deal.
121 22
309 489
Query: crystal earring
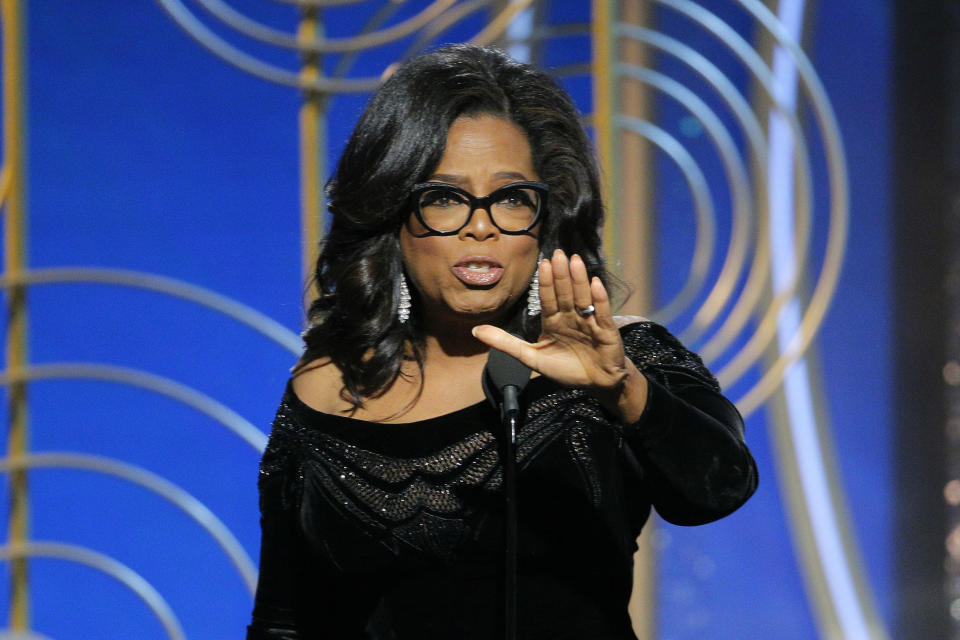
533 293
403 301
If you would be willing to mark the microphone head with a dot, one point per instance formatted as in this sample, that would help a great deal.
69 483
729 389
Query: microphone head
503 370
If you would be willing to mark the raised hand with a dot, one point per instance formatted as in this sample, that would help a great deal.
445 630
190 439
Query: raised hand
577 347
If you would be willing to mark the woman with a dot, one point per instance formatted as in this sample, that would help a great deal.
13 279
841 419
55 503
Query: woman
381 486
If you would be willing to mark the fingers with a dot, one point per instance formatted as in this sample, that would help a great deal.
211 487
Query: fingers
601 302
548 296
565 286
499 339
562 282
580 281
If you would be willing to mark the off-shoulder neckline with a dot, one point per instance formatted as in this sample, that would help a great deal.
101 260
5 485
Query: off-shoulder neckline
307 410
311 411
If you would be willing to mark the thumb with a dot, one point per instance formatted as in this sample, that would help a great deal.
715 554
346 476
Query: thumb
510 344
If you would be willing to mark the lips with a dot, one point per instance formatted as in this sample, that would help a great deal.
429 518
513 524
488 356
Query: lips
478 270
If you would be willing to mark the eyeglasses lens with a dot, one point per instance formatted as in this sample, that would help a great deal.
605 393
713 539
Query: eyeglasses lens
514 209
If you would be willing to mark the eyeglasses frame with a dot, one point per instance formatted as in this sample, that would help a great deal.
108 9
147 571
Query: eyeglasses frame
475 203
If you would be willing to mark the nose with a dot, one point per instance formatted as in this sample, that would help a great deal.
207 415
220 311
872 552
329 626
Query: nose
480 226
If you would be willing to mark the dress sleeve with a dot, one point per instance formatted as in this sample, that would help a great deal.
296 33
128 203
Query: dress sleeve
302 593
282 548
688 444
274 613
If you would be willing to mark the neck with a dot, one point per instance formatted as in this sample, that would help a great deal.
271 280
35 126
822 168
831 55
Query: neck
449 339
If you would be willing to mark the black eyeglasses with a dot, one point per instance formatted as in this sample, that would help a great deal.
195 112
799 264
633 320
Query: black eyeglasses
445 209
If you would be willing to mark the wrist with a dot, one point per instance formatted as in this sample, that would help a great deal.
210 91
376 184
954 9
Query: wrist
628 398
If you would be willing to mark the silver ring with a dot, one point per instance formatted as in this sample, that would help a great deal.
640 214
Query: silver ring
587 312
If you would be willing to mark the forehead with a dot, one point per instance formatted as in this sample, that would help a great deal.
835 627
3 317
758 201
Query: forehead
483 148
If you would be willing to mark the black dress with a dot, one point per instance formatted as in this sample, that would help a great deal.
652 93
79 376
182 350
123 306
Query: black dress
395 531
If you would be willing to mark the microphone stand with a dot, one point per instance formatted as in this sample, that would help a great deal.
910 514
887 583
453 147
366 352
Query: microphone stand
510 412
503 379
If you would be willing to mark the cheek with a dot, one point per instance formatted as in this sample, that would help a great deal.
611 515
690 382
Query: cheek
528 250
413 228
423 256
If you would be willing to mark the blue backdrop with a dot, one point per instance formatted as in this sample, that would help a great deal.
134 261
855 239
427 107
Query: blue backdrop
148 153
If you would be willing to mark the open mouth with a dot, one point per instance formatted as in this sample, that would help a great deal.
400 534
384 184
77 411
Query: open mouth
478 271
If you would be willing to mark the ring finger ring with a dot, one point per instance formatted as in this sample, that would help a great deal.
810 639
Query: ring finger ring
586 312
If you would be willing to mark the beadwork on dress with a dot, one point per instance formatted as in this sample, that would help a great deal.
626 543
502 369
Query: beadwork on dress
417 501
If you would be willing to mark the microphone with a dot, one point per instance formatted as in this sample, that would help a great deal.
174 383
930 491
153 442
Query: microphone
504 378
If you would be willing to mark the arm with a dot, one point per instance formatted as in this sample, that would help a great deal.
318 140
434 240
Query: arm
688 445
684 435
687 439
274 611
302 593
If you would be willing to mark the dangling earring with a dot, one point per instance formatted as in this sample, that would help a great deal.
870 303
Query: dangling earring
533 294
403 301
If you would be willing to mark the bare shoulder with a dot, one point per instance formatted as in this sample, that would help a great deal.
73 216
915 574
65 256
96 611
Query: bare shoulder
623 321
318 383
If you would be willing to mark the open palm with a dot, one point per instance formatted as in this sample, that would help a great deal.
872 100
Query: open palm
574 349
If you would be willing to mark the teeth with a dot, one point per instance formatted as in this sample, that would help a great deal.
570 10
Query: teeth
474 266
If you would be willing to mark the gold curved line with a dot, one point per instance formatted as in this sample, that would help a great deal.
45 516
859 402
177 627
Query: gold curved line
178 391
245 62
741 206
547 31
263 33
751 294
827 123
23 635
837 232
765 330
500 22
160 284
756 279
823 602
734 265
767 327
703 203
742 310
381 15
379 38
249 27
320 4
720 296
154 483
816 310
444 22
105 564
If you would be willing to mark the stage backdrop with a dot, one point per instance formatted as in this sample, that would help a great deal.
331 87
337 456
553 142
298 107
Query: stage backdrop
163 247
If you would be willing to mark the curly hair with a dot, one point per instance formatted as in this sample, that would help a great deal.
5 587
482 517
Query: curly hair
397 142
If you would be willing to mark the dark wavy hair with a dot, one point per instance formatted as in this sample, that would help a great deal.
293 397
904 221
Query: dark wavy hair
396 144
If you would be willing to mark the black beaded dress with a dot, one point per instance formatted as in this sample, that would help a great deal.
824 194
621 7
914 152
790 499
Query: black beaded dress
395 531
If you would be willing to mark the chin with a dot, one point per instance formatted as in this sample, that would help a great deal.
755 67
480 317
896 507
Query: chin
485 313
481 316
480 312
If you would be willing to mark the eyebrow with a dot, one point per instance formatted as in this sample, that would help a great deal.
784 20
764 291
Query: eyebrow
458 180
